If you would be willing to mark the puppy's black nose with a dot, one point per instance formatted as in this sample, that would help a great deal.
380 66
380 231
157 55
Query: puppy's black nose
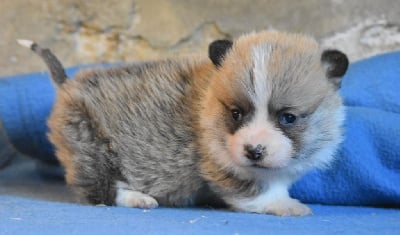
255 154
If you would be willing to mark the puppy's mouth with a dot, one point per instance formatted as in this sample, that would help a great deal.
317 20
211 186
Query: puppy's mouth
264 167
257 165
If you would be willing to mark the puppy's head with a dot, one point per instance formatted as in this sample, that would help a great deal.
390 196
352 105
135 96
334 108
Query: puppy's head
273 102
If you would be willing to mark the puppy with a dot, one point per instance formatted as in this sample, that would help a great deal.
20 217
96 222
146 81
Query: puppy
237 128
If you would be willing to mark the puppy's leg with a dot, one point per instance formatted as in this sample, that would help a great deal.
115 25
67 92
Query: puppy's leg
92 167
130 198
275 201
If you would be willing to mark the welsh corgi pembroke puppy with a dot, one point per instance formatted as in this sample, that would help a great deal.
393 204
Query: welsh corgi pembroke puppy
235 129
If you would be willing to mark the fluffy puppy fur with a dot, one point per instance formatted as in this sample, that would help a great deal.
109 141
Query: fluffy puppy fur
237 128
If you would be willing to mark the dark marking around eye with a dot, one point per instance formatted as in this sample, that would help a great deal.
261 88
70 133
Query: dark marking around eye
292 125
236 115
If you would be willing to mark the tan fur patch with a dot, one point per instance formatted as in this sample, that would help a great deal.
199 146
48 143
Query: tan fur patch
63 152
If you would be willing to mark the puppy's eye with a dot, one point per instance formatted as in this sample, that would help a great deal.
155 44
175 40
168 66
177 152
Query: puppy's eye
236 114
287 119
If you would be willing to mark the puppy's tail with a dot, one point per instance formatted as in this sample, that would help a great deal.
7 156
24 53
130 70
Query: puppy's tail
56 69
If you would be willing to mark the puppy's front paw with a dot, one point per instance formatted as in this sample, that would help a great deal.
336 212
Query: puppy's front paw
129 198
287 207
144 201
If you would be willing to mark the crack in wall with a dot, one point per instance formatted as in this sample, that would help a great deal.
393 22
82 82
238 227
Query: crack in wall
195 34
115 43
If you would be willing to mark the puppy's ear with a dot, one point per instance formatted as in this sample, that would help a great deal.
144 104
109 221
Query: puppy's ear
217 51
335 63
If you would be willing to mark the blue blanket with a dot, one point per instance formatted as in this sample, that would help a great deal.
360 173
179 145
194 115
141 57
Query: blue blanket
367 170
22 216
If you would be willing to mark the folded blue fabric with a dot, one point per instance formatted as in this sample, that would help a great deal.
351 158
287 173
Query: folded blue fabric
367 169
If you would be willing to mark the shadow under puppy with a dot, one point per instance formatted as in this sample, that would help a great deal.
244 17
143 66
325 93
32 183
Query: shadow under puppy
7 151
238 127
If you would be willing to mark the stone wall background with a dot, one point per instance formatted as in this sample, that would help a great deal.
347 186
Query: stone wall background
82 32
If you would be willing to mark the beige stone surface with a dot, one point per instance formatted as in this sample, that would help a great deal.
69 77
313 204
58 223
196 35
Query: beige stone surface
82 32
